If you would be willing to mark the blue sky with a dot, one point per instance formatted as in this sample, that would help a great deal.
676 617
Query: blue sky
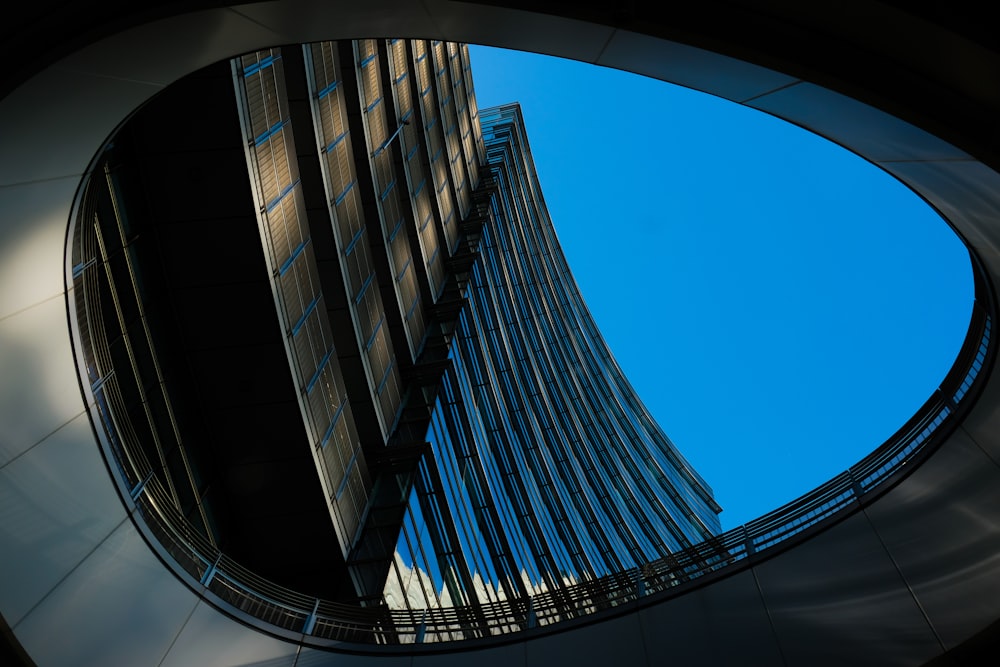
781 306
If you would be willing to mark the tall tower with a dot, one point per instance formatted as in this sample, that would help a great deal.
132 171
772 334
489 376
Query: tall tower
407 385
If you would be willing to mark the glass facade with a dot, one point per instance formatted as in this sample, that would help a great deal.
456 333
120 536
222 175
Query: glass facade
539 467
472 435
550 470
299 299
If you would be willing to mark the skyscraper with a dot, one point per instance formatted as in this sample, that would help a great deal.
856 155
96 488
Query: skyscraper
470 432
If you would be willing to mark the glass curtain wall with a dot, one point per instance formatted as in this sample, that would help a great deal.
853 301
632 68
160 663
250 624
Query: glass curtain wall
550 469
284 229
472 434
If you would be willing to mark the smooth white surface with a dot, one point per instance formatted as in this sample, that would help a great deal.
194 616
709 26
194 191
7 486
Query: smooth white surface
722 624
192 41
967 194
919 532
983 424
310 657
210 639
32 234
79 111
314 21
509 654
120 606
616 641
526 31
838 599
858 127
40 391
689 66
56 506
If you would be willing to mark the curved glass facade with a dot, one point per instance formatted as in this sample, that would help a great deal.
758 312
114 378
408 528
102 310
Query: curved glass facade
467 426
550 469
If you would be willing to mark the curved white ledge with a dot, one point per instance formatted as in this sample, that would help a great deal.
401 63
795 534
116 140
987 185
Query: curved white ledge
913 575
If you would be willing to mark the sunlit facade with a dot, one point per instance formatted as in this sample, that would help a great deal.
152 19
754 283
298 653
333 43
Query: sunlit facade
470 431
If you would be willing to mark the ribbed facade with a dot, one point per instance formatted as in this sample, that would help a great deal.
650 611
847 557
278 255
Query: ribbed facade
473 438
546 469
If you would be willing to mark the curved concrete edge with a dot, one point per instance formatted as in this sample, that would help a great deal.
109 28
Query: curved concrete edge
911 576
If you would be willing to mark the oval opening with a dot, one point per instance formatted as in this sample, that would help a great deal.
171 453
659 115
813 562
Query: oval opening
781 305
107 247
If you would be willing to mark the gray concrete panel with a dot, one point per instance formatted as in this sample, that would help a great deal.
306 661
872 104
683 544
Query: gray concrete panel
44 535
838 599
120 606
856 126
948 550
211 639
724 623
615 641
742 632
518 29
984 422
40 392
31 242
508 655
311 657
304 21
208 37
690 66
967 193
78 111
681 629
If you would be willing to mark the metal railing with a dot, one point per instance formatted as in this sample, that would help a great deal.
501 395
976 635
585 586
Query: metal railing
276 606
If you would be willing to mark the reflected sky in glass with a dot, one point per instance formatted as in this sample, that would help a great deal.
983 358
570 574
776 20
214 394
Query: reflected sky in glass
780 305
